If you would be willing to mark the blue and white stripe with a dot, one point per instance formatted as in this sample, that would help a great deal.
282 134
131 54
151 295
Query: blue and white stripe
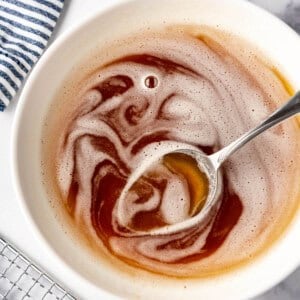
25 28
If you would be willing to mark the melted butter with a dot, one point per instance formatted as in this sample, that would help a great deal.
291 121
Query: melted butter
286 84
197 181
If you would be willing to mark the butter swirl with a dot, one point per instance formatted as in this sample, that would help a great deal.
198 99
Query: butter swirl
200 95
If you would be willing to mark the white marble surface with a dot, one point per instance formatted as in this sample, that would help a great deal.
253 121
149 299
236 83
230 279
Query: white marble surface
12 223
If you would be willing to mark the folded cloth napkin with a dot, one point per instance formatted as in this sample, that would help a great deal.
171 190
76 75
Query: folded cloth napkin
25 28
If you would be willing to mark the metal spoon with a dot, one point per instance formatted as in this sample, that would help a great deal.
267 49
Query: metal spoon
210 165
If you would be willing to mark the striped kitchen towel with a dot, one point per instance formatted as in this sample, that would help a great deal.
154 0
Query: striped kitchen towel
25 28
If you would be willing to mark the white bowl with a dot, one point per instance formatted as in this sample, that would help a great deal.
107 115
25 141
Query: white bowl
273 37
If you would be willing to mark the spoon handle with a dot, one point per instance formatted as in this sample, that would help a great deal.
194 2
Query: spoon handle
289 109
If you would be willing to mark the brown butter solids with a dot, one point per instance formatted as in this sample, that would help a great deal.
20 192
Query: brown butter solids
106 189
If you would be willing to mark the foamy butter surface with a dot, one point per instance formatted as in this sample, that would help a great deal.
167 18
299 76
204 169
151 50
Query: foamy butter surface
206 88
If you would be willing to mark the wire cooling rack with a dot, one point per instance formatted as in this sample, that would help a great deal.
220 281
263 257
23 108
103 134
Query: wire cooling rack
20 279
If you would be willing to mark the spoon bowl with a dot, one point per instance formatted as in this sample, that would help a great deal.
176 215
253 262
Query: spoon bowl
206 165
